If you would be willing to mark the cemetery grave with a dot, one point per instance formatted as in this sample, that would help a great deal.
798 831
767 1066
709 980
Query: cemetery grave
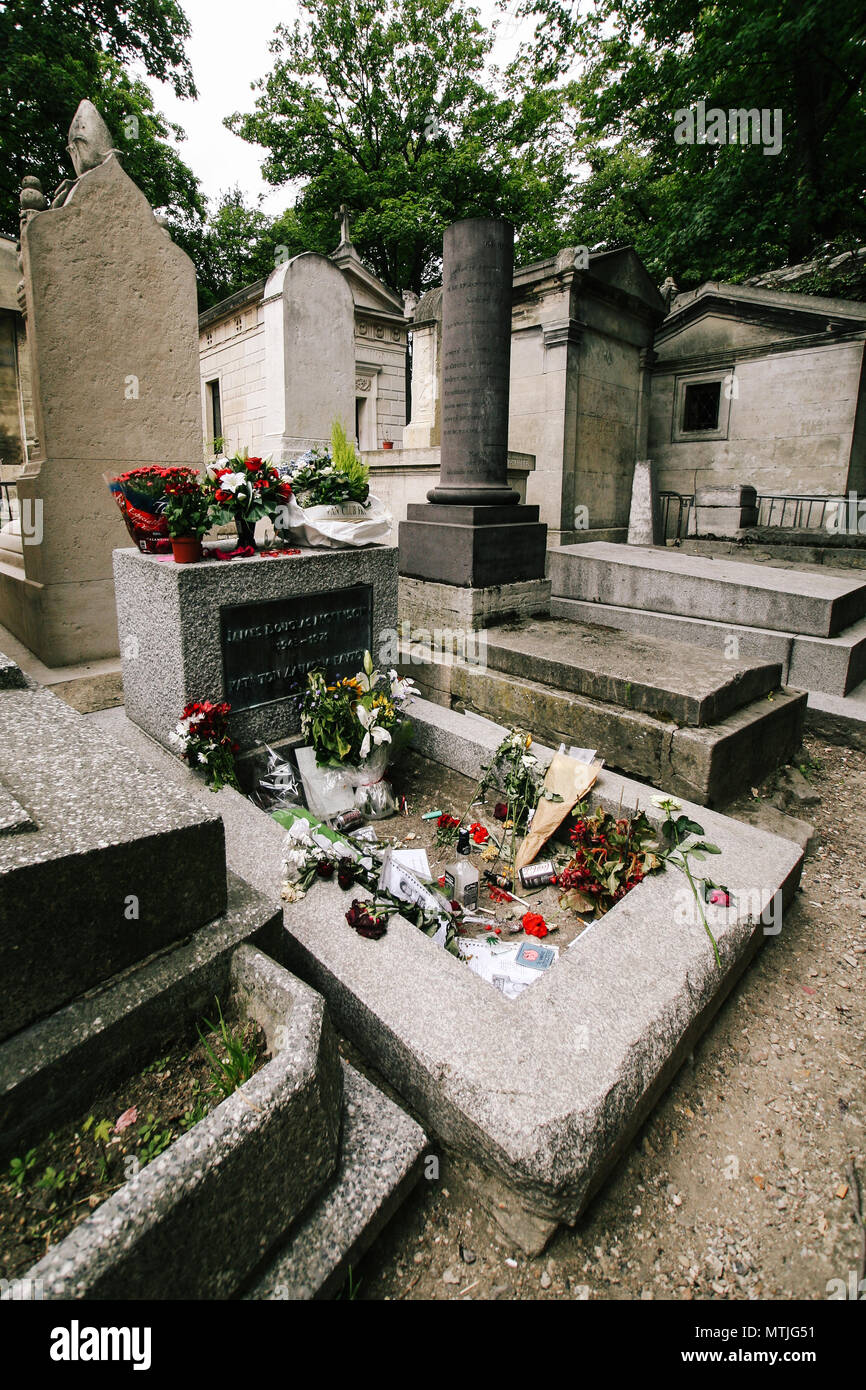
334 899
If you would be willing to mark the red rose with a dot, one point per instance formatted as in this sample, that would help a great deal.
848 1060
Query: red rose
719 896
533 924
253 465
223 496
500 811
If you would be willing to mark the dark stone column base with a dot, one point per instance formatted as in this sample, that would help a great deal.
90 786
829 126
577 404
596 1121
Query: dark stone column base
472 546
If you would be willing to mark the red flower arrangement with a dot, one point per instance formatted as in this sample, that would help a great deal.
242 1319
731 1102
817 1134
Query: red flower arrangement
247 489
612 856
140 493
202 735
479 834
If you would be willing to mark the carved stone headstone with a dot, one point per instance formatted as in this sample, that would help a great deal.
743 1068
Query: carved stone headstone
309 353
112 338
424 430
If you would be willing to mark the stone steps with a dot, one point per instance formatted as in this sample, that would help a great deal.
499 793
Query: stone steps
662 580
642 673
832 665
709 764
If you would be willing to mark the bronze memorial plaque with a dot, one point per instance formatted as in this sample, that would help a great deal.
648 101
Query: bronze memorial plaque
269 647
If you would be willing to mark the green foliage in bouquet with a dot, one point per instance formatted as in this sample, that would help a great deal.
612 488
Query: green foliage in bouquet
327 477
348 463
346 721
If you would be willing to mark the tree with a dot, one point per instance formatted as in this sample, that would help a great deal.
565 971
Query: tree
389 107
55 52
239 245
700 211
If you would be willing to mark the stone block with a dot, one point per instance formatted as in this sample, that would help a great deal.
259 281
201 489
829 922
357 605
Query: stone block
431 607
472 546
708 764
668 581
169 618
668 680
617 1014
198 1219
381 1151
644 522
724 521
118 864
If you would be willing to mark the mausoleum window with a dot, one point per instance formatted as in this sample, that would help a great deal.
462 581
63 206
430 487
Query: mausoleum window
701 406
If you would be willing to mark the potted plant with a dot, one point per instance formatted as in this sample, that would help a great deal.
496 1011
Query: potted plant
140 493
244 490
331 503
387 441
188 516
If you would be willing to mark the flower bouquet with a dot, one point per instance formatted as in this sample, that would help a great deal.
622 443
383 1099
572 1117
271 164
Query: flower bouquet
331 503
203 737
244 491
352 727
140 493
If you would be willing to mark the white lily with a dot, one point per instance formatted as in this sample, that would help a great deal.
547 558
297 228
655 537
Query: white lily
401 687
374 735
232 481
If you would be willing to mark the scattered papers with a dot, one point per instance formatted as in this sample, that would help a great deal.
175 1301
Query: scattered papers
405 885
510 967
414 859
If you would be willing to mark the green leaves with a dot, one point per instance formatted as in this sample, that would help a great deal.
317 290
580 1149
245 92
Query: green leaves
54 54
700 210
390 106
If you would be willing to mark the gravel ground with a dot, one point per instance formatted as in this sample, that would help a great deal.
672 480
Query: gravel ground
738 1186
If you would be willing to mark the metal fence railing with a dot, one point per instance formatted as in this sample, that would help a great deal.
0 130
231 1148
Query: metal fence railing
8 494
797 512
675 508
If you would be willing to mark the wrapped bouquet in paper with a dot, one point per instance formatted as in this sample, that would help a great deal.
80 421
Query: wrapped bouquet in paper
330 503
567 781
140 495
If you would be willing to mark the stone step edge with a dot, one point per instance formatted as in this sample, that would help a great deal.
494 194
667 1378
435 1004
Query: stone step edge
780 646
729 696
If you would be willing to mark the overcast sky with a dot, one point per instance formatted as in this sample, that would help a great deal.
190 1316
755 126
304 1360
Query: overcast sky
228 50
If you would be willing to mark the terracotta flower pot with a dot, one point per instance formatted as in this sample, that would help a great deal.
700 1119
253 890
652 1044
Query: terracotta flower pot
387 443
186 549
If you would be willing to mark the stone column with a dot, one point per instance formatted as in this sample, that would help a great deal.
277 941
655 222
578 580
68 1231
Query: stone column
477 274
473 532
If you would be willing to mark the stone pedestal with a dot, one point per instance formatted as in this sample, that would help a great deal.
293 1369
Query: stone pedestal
725 511
473 533
644 521
247 631
472 546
